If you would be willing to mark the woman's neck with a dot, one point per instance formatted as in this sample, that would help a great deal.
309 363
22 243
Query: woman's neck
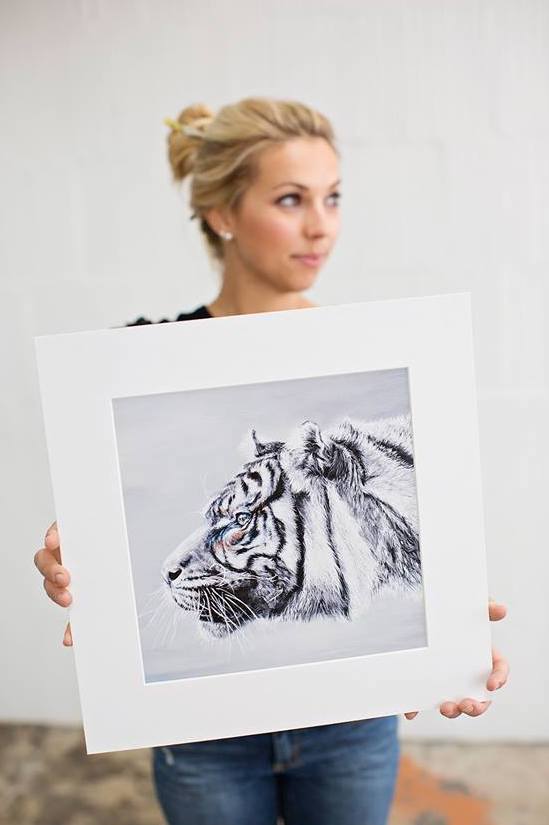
220 307
248 304
242 292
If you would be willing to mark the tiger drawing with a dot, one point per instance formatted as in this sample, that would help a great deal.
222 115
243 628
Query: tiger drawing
312 526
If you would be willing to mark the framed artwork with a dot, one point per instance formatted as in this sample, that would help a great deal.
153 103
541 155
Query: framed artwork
272 521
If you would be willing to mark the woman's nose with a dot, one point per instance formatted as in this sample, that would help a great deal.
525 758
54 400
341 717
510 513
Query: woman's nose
316 224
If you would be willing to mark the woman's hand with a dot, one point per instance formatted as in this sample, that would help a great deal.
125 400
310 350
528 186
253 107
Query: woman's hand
56 577
496 680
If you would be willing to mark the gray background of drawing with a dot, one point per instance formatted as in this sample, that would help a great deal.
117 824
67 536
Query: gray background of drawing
176 450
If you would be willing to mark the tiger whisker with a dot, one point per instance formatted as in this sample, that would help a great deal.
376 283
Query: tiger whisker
152 597
174 627
237 637
221 612
162 616
252 575
158 612
242 641
229 606
208 604
167 628
217 606
239 601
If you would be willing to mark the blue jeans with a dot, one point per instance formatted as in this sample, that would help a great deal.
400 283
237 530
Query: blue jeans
343 774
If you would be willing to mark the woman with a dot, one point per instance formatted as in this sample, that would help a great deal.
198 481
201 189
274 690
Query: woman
265 178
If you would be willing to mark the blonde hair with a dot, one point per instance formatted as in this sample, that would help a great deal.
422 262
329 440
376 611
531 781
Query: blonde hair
221 151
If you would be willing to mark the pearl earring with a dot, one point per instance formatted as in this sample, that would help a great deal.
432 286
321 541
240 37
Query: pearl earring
226 235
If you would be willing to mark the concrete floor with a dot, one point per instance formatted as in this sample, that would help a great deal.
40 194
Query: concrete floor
46 778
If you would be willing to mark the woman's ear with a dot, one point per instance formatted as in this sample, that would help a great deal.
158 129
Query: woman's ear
218 219
213 219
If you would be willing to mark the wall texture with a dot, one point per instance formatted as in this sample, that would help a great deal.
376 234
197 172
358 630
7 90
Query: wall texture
443 120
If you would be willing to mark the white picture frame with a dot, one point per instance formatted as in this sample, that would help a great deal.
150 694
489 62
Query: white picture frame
91 383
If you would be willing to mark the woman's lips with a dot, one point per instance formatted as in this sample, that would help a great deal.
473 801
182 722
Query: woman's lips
310 260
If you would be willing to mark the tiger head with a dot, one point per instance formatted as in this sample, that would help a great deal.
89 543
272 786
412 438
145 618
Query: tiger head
277 540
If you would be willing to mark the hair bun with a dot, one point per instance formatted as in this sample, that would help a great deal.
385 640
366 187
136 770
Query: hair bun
185 131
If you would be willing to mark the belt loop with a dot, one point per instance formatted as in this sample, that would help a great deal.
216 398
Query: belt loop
168 755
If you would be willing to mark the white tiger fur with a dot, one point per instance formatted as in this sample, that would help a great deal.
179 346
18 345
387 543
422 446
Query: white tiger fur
311 526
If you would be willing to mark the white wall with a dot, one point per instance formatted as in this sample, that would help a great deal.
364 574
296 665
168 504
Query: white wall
443 120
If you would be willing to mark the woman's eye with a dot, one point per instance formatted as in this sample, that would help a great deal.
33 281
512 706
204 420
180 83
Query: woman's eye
285 197
336 195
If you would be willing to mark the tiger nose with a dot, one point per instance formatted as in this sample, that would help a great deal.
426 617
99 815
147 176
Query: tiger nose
173 574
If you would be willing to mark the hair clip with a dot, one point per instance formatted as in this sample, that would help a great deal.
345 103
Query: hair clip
175 125
190 129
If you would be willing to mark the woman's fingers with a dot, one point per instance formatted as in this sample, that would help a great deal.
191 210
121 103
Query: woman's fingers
58 594
50 567
497 678
56 577
411 714
496 611
500 671
67 638
51 541
450 710
472 707
48 562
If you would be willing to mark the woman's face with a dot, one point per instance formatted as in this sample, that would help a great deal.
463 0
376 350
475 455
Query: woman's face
290 210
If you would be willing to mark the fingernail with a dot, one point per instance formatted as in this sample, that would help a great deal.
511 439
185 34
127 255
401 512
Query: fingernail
59 578
468 708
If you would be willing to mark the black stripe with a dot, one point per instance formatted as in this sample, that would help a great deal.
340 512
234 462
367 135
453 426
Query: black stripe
269 467
278 490
280 531
299 501
255 556
352 447
402 548
393 450
329 532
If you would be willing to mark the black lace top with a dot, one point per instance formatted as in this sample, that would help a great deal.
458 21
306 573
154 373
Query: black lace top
199 312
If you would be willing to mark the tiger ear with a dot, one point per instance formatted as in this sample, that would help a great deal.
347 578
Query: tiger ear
267 447
317 452
308 454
